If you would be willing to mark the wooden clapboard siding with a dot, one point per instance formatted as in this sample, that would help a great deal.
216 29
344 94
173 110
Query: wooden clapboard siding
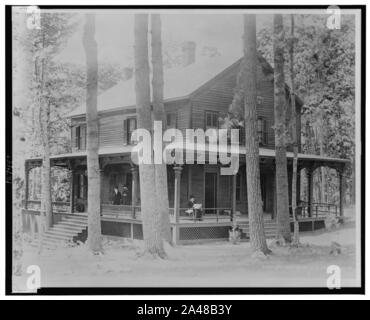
219 95
182 110
111 130
216 95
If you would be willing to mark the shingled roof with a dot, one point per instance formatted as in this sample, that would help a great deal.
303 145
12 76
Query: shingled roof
179 83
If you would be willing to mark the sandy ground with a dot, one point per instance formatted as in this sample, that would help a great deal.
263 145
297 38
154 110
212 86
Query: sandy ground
218 264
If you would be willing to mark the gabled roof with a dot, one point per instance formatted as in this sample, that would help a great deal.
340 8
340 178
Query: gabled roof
179 83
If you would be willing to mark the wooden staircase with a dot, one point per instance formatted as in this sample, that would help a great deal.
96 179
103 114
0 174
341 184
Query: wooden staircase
269 225
64 231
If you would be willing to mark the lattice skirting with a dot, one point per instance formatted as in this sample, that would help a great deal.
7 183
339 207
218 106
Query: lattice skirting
203 233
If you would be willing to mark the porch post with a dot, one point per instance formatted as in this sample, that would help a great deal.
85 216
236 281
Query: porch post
101 177
72 191
190 180
176 205
298 185
134 171
274 207
233 197
341 191
310 190
26 177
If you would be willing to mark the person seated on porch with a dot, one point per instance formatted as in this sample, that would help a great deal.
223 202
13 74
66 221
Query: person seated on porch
194 208
116 198
125 196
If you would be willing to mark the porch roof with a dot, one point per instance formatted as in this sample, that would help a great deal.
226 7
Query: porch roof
263 152
81 154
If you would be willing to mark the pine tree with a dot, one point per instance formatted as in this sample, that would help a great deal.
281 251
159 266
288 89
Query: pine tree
161 187
282 193
294 135
151 215
255 212
93 170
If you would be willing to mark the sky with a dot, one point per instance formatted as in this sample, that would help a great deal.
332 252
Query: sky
115 35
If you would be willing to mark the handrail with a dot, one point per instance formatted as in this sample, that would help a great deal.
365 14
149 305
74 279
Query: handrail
220 212
317 209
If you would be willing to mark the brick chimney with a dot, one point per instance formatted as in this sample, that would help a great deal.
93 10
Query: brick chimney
188 52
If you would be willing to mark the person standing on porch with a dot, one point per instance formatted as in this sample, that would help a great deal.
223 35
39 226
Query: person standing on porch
116 199
125 196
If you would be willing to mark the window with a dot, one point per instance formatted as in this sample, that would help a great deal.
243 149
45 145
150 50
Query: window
80 137
129 126
211 120
262 131
171 120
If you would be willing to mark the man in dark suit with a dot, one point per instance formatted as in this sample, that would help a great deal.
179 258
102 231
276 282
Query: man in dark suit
116 198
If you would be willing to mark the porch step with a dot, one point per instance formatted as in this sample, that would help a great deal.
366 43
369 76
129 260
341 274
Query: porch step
269 226
64 231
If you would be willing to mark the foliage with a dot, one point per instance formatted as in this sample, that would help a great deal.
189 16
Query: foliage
325 80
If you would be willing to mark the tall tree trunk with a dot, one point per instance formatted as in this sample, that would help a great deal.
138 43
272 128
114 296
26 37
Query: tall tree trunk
161 187
353 180
93 169
294 135
44 122
46 202
283 223
255 213
151 215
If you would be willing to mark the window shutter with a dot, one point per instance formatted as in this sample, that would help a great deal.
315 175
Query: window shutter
77 139
82 137
125 132
73 137
242 135
133 136
168 120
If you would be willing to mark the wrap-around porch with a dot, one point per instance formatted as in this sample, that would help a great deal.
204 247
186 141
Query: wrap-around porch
223 198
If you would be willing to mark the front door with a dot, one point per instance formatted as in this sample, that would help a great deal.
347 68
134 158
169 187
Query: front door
80 192
210 192
263 191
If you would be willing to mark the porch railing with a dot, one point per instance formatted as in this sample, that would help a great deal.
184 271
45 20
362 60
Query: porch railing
120 211
208 214
57 206
318 210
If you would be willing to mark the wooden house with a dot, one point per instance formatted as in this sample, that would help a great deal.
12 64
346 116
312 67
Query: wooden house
195 96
